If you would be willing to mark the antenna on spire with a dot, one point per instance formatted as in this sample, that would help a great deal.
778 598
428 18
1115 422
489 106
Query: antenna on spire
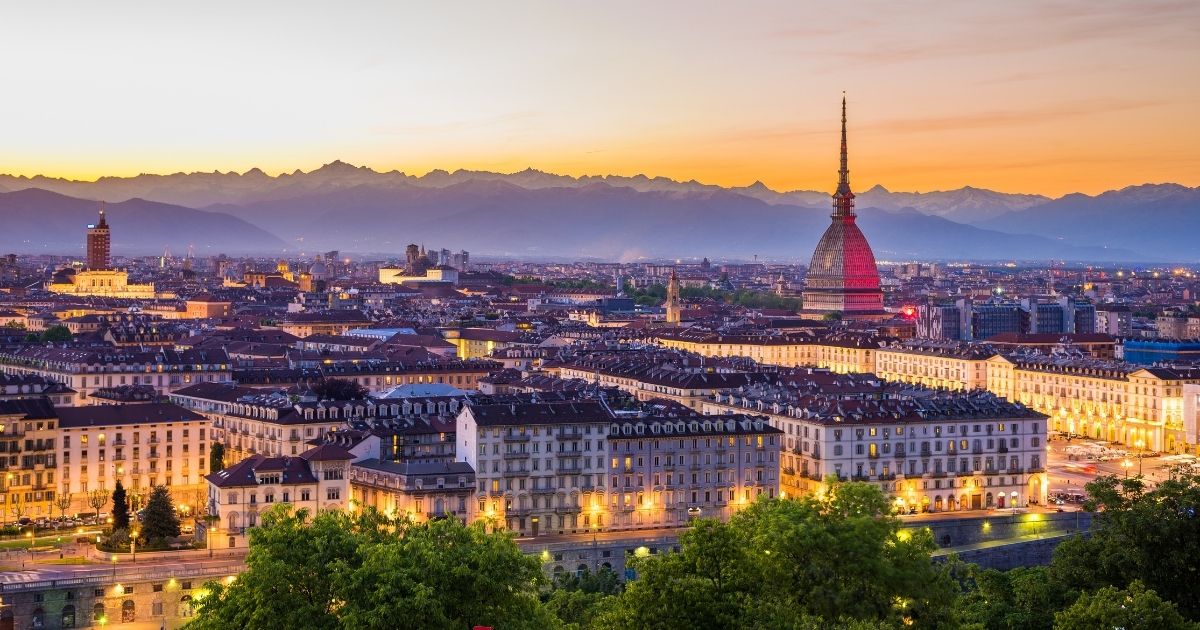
843 199
844 171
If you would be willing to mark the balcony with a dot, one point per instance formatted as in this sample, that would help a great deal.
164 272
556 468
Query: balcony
516 437
543 490
517 455
119 442
153 440
566 509
977 450
515 473
153 455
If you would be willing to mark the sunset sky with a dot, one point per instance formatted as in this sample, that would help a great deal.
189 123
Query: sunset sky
1044 97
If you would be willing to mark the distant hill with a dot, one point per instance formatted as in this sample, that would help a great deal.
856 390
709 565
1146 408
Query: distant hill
36 221
203 189
532 212
1159 218
599 220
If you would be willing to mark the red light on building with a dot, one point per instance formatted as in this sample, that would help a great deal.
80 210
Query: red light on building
909 312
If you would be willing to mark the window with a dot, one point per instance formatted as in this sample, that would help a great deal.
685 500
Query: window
333 494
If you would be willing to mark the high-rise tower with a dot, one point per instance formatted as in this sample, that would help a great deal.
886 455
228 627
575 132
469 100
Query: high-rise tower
98 245
842 277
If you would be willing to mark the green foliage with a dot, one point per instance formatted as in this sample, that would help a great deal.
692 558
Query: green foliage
120 513
792 563
56 334
339 389
1133 607
832 317
337 570
1019 599
1139 534
216 457
575 600
159 520
656 294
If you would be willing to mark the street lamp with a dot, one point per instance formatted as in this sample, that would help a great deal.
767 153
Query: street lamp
29 535
133 545
1126 464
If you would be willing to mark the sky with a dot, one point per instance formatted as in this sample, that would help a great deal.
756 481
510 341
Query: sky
1042 97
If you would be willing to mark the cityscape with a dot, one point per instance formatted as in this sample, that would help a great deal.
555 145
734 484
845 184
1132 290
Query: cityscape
616 367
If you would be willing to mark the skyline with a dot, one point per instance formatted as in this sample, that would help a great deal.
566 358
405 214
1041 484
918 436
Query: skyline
1045 99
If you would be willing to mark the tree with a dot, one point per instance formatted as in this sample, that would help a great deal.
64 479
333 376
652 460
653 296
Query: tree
576 599
340 570
159 520
216 457
339 389
1127 542
1018 599
98 498
836 560
120 513
17 507
56 334
1110 607
62 501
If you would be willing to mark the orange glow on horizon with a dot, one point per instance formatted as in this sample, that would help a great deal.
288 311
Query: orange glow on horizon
1046 98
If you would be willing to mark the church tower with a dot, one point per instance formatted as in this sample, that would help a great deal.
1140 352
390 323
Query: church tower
672 303
98 245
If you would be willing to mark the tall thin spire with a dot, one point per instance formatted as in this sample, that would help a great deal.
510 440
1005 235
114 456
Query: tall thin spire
843 199
844 172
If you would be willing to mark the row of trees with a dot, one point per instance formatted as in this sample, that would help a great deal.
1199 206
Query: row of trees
159 524
838 561
656 294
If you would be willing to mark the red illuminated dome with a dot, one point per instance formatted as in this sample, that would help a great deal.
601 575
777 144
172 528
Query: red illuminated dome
842 277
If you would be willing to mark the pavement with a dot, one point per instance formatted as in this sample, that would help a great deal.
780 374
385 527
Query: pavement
1070 475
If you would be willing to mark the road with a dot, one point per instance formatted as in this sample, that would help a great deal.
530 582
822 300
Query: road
1071 475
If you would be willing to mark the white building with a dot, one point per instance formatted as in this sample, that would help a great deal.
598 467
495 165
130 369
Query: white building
939 451
537 465
142 445
318 479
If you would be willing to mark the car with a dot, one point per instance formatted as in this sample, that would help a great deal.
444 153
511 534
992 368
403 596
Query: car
187 529
24 521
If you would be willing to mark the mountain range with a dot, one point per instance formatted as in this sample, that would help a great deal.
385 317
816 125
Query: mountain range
533 213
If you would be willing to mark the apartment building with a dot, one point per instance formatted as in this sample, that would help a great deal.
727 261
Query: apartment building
317 479
538 465
87 369
647 378
942 451
416 491
28 458
937 364
673 464
381 376
142 445
1141 407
